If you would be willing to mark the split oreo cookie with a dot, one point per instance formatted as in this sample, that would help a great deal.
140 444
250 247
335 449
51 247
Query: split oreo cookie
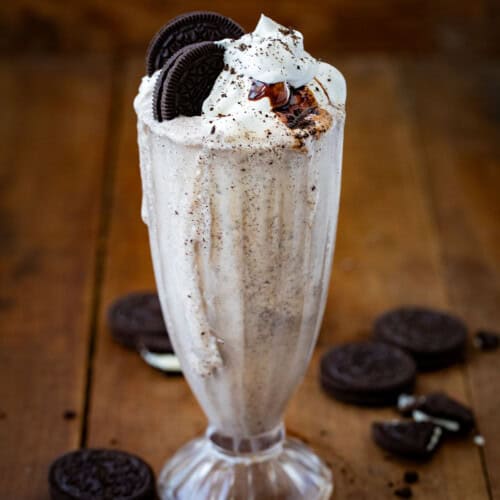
433 338
136 320
367 373
186 29
416 440
439 409
101 474
186 80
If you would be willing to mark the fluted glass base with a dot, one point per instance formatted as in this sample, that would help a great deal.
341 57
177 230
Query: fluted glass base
268 466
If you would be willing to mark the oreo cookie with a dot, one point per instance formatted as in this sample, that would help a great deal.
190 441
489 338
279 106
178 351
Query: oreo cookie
403 492
159 344
160 81
416 440
367 373
186 29
433 338
136 320
165 362
439 409
101 474
186 80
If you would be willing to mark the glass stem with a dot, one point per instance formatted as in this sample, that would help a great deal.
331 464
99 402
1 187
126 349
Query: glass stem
257 447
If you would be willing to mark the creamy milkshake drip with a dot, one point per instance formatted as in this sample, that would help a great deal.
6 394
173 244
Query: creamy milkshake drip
241 205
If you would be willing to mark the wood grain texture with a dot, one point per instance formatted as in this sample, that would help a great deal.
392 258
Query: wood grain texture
52 141
418 224
461 148
384 25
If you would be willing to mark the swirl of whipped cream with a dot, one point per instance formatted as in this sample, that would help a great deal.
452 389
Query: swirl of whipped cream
270 54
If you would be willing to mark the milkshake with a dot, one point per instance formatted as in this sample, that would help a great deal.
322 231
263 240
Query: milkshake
241 203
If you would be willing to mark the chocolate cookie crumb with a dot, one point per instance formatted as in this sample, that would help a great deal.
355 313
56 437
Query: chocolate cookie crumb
404 492
411 477
69 415
486 341
479 440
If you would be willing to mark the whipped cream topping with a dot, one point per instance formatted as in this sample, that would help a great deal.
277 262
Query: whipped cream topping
271 53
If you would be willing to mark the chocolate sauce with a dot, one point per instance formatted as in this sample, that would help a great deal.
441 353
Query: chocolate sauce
278 93
293 106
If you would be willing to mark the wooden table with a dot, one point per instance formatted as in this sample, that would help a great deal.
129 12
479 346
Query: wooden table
419 223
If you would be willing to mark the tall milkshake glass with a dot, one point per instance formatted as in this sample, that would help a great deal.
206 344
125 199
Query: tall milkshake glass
241 208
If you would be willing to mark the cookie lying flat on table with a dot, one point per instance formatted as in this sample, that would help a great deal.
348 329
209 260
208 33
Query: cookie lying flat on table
439 409
367 373
136 320
100 474
416 440
433 338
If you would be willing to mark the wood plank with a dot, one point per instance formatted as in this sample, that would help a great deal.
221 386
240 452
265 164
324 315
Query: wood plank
388 254
457 110
52 143
365 25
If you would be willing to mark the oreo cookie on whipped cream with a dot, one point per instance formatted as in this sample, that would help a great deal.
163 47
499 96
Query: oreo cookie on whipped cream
186 80
187 29
202 64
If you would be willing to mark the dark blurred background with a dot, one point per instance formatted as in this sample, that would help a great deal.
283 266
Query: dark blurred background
396 26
